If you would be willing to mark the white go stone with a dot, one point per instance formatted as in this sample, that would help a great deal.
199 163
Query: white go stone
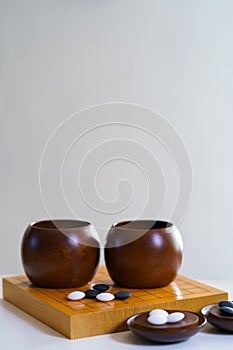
157 320
105 297
159 312
175 317
77 295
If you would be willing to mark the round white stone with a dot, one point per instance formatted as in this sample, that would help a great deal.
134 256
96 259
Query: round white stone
175 317
159 312
77 295
157 320
105 297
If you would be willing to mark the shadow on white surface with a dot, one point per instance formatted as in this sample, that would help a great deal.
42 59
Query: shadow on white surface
130 338
213 330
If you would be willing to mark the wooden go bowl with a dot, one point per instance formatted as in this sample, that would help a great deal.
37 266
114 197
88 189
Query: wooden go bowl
60 253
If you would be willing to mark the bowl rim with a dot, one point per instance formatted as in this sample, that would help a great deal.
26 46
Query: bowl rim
179 334
60 224
217 321
202 320
147 225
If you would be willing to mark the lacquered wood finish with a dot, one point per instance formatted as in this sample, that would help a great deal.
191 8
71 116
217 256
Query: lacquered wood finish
150 260
169 333
217 319
60 254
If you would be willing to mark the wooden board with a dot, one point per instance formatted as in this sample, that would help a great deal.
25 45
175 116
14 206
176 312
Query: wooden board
88 317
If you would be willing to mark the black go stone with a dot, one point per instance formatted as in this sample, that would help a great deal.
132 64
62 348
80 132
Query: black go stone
225 303
122 295
226 310
101 287
91 294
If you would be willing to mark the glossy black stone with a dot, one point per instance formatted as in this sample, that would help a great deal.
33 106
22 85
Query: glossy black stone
226 310
91 294
101 287
225 303
122 295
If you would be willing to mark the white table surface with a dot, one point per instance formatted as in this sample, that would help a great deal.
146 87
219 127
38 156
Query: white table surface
20 331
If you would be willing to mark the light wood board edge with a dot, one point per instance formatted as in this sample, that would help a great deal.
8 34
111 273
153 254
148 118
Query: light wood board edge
75 325
37 308
115 320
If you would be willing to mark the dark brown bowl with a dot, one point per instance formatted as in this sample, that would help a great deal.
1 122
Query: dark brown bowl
216 319
143 253
168 333
190 320
60 253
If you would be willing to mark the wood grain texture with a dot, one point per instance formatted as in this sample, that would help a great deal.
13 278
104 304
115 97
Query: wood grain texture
88 317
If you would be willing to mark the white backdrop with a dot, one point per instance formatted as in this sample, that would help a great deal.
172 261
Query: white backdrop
175 57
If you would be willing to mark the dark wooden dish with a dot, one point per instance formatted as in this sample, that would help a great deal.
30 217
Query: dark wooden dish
169 333
217 319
